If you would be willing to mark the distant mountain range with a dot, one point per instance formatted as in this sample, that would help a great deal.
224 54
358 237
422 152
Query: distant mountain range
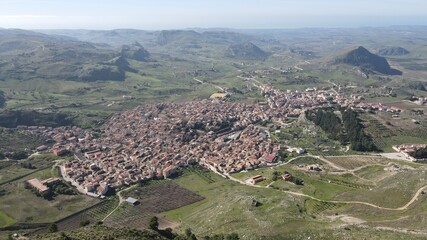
93 55
367 62
26 55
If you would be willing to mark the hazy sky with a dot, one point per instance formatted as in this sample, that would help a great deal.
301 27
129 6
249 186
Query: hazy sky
168 14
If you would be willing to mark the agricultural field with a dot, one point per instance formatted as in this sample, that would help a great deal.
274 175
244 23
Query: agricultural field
353 162
23 206
101 210
154 198
387 131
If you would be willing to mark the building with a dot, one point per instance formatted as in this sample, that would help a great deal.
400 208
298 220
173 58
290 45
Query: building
287 177
59 151
132 201
37 185
219 96
256 179
409 149
297 150
271 158
51 181
168 171
41 148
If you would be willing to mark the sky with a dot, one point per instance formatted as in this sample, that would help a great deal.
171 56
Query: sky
178 14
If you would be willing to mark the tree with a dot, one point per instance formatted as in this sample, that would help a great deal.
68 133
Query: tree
276 175
64 236
232 236
188 232
52 228
154 223
420 153
84 223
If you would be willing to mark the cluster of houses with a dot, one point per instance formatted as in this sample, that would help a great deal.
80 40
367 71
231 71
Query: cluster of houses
293 103
364 106
419 100
409 149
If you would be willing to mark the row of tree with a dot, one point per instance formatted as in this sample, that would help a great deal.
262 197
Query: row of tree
420 153
349 130
359 140
328 122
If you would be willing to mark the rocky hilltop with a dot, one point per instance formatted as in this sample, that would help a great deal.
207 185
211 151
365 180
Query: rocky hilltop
367 62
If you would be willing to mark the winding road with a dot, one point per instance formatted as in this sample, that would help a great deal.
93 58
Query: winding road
405 207
216 86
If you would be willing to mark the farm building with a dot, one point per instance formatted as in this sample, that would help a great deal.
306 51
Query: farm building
132 201
256 179
37 185
287 177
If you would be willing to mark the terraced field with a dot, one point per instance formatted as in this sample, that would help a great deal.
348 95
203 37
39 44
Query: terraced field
157 197
353 162
100 211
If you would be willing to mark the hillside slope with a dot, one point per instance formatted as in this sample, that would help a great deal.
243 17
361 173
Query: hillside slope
246 51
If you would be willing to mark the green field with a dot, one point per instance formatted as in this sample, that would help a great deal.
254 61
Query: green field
5 220
228 206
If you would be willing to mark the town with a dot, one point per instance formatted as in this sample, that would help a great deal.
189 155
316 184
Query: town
154 141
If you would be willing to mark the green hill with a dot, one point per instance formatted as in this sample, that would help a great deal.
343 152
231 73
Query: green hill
135 51
246 51
26 55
